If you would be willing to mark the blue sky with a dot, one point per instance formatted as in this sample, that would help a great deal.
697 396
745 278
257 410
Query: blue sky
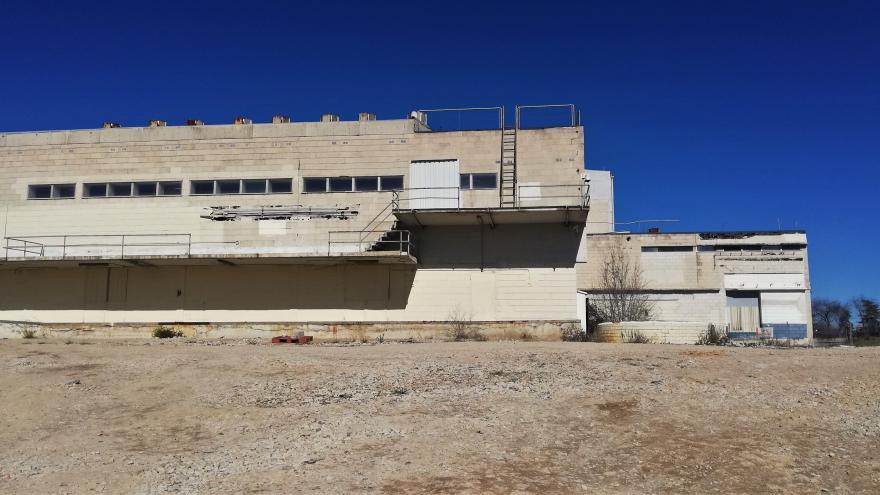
724 115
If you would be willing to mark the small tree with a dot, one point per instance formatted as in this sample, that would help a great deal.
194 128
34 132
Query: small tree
621 293
868 312
830 318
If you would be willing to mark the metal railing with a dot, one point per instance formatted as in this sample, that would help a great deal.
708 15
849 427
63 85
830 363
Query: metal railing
575 114
372 236
427 112
342 242
426 198
550 195
534 195
99 245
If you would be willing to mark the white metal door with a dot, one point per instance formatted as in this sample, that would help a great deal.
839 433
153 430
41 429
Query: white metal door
433 184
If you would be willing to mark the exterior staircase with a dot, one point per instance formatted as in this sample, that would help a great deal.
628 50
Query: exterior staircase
507 182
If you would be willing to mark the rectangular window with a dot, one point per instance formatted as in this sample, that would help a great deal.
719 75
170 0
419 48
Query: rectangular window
705 249
228 187
483 181
254 186
201 187
366 183
43 191
465 181
314 184
144 188
391 182
279 186
95 190
170 188
340 184
63 191
120 189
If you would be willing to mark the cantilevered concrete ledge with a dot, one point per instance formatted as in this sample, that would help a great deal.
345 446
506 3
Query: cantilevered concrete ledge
232 259
492 216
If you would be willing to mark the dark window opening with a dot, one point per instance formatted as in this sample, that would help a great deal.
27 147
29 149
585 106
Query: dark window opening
64 191
340 184
465 181
170 188
391 182
280 185
202 187
228 186
483 181
40 192
95 190
252 186
144 188
314 184
366 183
120 189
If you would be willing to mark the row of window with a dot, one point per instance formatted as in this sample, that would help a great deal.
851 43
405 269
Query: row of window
712 248
242 186
352 184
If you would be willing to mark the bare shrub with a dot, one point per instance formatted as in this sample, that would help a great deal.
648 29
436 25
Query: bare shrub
28 333
635 337
712 337
166 333
621 295
461 327
526 336
572 332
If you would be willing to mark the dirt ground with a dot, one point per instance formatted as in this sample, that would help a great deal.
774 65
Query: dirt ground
156 416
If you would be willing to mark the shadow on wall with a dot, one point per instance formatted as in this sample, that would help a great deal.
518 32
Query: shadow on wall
505 246
264 287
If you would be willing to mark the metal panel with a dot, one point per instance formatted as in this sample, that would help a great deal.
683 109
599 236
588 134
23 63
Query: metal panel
433 184
782 307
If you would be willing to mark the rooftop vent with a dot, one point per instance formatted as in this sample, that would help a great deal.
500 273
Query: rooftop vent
365 116
194 122
329 117
242 121
158 123
111 125
280 119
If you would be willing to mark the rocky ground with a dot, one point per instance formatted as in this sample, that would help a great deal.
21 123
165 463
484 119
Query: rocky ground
478 417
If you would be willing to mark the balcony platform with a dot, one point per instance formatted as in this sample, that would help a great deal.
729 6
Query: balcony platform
213 259
565 215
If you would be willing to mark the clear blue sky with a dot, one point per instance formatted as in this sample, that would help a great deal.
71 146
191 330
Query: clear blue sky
725 115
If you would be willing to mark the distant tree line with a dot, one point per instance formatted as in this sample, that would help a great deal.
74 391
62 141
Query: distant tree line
833 318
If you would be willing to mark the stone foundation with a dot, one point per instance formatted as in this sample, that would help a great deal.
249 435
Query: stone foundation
322 332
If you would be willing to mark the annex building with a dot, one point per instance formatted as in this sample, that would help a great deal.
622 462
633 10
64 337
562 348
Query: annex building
338 227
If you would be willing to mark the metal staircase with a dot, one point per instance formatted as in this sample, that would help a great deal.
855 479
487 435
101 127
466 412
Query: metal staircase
507 184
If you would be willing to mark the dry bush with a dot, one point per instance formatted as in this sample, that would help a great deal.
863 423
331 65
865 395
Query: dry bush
526 336
166 333
461 327
28 333
621 295
572 332
713 337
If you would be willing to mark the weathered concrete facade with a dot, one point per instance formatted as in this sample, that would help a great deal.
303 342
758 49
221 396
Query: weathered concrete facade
468 257
343 227
750 284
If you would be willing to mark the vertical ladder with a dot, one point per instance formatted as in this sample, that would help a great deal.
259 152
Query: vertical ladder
507 184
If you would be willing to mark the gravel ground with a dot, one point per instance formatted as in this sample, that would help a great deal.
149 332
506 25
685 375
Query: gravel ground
476 417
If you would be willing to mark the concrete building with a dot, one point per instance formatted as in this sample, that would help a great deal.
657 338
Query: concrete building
332 227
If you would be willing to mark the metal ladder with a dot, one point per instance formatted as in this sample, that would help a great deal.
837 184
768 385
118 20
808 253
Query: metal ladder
507 186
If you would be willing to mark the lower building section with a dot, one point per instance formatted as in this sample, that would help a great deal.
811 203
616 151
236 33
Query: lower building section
319 294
